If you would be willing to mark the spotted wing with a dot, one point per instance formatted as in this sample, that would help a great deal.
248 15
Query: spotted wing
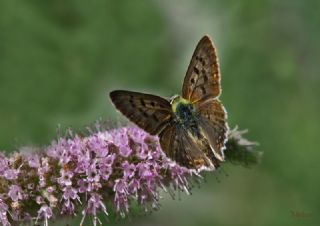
212 120
202 79
149 112
179 146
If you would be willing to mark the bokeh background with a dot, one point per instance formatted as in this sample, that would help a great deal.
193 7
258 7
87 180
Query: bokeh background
59 59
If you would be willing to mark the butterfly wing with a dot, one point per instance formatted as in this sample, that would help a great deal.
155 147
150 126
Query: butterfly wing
149 112
202 79
212 120
181 147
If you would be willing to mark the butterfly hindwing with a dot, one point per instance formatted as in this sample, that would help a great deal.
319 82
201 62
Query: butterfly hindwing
212 119
202 79
178 145
149 112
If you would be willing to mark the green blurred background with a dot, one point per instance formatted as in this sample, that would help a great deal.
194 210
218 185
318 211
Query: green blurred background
59 59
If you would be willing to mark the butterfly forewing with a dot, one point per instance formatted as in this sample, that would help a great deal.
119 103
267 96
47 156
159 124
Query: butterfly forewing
212 119
150 112
202 79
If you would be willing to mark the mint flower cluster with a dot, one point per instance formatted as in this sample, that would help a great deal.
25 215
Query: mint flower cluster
104 172
81 175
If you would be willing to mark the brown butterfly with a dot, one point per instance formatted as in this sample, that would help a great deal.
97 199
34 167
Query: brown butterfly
192 128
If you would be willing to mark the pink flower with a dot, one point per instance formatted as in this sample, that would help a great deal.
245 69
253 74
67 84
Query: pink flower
11 174
15 193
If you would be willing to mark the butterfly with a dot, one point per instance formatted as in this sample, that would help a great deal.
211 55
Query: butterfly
192 128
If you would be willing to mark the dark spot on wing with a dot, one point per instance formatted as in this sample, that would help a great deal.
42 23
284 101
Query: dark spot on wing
196 70
131 101
203 90
202 61
142 102
205 78
143 112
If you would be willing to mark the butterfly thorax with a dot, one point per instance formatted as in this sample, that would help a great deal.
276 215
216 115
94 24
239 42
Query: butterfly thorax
185 113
